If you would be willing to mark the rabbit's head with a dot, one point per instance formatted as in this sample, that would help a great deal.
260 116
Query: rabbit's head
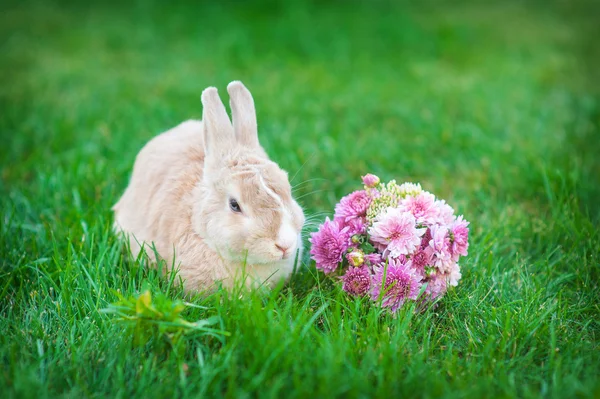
245 210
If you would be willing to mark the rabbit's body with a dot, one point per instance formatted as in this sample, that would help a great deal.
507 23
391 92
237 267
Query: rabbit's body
179 203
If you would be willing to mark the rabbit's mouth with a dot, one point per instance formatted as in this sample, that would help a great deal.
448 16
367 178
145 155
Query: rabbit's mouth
266 259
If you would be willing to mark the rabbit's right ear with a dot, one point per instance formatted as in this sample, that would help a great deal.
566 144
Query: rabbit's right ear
218 131
243 114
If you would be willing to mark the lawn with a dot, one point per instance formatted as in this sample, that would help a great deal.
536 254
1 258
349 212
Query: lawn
495 108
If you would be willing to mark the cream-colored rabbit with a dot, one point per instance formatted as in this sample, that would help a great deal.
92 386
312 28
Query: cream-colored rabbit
206 195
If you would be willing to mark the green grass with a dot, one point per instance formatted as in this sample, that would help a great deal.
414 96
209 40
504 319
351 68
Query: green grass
495 108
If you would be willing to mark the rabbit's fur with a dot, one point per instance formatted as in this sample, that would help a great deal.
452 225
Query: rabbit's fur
179 200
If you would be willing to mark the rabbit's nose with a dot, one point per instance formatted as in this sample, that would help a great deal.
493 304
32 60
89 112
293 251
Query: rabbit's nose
283 248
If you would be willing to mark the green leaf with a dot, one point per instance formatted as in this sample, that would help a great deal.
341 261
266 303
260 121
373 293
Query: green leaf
367 248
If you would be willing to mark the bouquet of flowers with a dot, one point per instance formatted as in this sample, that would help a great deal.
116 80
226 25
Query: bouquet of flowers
393 243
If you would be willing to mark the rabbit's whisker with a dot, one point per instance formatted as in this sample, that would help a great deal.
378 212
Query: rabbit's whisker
305 162
307 181
312 192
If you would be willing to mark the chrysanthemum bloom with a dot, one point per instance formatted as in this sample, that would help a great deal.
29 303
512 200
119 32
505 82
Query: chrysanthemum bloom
400 259
395 233
356 226
352 206
426 239
454 275
357 281
395 284
439 248
356 257
370 180
422 206
445 212
436 285
460 238
373 259
419 260
328 245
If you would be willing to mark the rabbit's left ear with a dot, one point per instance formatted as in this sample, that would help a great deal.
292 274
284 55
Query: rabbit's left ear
218 132
243 114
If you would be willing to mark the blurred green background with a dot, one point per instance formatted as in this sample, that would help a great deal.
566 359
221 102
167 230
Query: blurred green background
493 106
474 90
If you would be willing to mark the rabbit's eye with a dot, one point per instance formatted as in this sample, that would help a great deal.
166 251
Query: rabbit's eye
233 204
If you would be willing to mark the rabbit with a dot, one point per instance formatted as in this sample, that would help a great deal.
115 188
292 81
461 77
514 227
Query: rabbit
207 199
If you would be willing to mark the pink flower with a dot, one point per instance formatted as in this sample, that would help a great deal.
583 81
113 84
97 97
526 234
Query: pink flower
329 245
445 213
355 226
460 238
394 285
401 259
426 239
421 259
454 275
422 207
373 259
439 248
357 281
356 257
436 285
352 206
395 233
370 180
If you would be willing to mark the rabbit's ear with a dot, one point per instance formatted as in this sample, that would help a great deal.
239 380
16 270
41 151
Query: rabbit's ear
243 114
218 132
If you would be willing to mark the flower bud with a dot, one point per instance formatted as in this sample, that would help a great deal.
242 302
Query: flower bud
370 180
356 239
356 258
